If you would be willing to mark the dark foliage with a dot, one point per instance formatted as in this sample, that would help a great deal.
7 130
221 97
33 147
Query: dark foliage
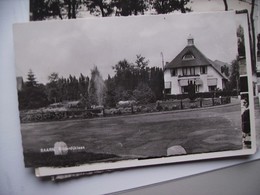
168 6
127 8
191 90
69 9
132 81
32 95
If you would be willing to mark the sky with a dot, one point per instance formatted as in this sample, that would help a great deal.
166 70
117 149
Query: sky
76 46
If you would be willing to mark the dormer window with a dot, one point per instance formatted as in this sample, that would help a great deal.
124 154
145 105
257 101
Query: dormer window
188 56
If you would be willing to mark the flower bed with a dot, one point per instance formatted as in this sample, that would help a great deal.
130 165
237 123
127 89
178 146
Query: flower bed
168 105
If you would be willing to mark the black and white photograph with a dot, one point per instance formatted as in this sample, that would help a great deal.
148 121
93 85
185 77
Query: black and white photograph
132 91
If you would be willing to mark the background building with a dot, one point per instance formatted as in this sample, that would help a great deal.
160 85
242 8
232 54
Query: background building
192 66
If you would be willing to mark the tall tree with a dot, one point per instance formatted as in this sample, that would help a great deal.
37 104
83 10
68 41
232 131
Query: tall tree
167 6
38 10
241 42
127 7
124 74
46 9
52 88
234 76
83 85
129 75
31 80
100 7
33 94
110 97
141 62
156 82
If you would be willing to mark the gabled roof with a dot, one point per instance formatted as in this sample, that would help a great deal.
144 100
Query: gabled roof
217 66
199 60
178 62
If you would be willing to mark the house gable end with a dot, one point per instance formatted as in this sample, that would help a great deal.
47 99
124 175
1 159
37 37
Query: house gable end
198 60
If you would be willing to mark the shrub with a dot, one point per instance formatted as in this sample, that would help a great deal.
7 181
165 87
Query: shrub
159 108
166 108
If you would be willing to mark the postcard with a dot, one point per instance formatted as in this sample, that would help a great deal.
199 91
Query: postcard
110 93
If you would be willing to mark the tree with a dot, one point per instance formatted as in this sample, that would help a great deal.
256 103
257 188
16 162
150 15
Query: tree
52 88
241 41
128 7
191 90
225 70
38 9
156 82
83 85
234 76
31 80
141 62
99 7
182 4
32 95
143 94
110 97
128 76
124 76
45 9
167 6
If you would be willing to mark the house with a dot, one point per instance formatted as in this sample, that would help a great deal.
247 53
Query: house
192 66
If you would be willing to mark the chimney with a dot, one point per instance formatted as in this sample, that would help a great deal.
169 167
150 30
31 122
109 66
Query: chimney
190 40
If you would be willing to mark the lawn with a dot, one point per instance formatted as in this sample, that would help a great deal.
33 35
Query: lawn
134 136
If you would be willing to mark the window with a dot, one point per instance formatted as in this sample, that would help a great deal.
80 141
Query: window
188 71
188 56
173 72
203 70
167 85
184 71
167 91
212 88
184 89
197 88
192 70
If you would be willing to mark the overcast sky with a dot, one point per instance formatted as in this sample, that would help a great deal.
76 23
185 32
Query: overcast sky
75 46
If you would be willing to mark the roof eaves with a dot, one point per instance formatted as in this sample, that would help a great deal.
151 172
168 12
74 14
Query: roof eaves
213 64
